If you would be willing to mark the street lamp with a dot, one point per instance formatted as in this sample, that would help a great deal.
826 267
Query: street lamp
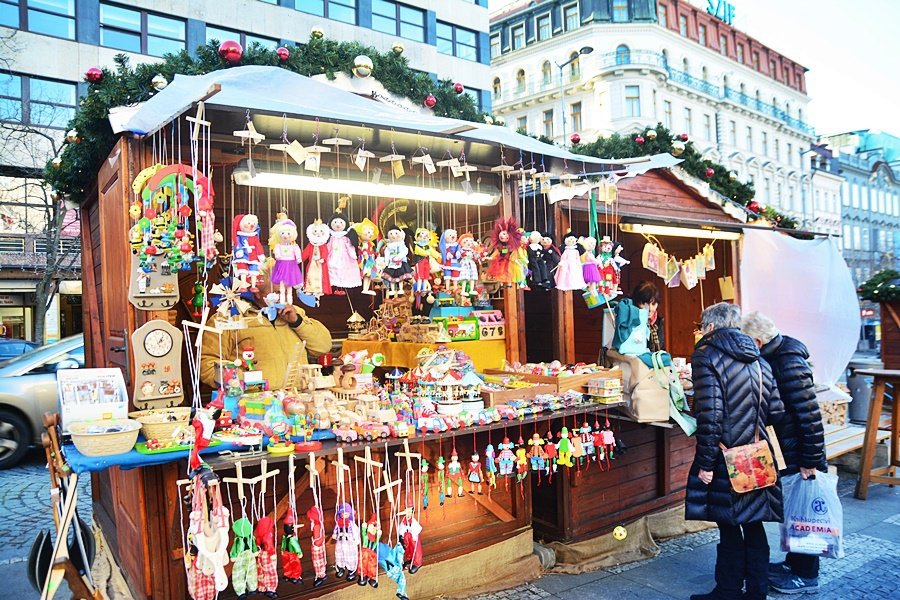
562 89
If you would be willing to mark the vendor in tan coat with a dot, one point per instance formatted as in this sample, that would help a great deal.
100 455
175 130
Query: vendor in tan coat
273 344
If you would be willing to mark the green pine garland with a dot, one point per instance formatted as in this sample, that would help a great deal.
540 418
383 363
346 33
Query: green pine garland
883 286
72 172
619 146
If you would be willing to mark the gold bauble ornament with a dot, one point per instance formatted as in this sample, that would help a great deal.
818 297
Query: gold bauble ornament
677 148
398 47
651 134
488 119
159 82
732 176
56 162
362 66
72 136
317 33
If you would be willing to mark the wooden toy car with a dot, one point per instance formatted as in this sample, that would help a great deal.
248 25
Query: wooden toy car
345 434
400 429
370 430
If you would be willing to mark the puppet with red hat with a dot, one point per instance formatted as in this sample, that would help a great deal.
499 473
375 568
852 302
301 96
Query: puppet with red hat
291 553
317 523
249 254
368 570
266 559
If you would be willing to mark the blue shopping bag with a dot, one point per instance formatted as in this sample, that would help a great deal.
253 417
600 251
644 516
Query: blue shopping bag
813 516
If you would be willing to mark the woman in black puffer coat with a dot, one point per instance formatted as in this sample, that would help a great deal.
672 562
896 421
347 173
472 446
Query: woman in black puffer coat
726 374
801 433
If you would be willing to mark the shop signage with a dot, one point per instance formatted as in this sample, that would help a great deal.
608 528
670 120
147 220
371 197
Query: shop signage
721 10
10 300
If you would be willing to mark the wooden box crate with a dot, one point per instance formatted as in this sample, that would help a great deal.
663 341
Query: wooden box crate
561 384
493 398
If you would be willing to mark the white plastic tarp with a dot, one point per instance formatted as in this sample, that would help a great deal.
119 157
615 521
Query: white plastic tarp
806 288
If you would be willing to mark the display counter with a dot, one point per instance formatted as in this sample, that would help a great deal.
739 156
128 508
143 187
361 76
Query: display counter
486 354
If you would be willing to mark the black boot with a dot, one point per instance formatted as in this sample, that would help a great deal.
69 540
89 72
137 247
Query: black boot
351 576
756 572
729 575
339 572
413 569
362 581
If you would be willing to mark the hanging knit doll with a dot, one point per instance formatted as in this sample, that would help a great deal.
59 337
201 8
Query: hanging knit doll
317 527
468 264
267 558
316 253
288 257
569 274
243 556
291 553
450 254
367 254
505 253
589 262
248 253
410 530
343 263
346 538
368 568
396 269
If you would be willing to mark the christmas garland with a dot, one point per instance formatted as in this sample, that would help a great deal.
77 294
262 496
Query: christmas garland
90 137
883 286
660 139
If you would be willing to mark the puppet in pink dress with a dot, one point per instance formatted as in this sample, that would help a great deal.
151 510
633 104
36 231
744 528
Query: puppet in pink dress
569 273
589 263
343 264
287 255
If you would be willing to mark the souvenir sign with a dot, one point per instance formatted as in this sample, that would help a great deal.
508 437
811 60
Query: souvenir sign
89 394
153 289
157 356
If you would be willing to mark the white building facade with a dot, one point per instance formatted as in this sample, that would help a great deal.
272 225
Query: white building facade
667 61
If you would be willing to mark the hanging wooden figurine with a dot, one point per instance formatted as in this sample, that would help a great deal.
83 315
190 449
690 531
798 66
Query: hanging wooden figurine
316 255
410 532
266 558
551 453
505 257
425 263
569 273
564 449
506 459
396 269
370 536
343 262
537 456
587 441
521 464
589 264
470 255
441 479
424 482
490 467
347 539
367 234
249 254
291 553
287 256
454 475
609 270
476 474
450 255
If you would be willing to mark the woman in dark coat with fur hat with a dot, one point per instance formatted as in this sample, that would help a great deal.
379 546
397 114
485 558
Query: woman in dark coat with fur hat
727 375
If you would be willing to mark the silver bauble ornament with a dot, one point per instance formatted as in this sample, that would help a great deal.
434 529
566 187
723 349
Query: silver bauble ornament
158 82
362 66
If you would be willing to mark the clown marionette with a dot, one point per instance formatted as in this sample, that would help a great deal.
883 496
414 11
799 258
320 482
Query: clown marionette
476 474
587 440
267 557
410 530
291 553
316 255
507 458
537 455
550 453
248 253
454 473
506 252
317 527
369 536
347 538
490 467
367 254
564 449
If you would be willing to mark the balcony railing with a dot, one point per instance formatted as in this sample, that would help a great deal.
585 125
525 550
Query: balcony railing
631 58
690 81
30 251
767 109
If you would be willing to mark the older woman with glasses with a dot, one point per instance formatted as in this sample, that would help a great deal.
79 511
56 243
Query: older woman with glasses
734 394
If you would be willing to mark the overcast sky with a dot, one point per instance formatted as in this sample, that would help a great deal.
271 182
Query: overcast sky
851 48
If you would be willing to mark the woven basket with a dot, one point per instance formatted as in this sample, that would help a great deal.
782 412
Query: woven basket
161 424
105 444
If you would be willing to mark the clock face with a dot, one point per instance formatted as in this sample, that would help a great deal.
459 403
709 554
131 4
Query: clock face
158 343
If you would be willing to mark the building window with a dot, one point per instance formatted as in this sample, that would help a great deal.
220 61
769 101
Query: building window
661 15
723 45
456 41
740 53
749 140
546 73
398 19
845 193
778 150
338 10
522 124
765 143
787 77
682 25
36 101
701 34
688 121
620 11
571 18
623 55
495 46
576 116
221 34
685 65
732 133
707 126
865 198
756 60
667 113
548 123
575 66
790 154
544 30
855 195
46 17
497 89
140 31
632 101
517 37
520 80
773 70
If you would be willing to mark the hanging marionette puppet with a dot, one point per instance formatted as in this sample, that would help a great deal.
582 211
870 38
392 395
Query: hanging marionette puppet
506 459
476 474
537 268
550 257
589 264
564 449
346 534
490 467
587 441
521 257
396 269
206 544
244 575
470 255
425 263
291 553
367 254
391 556
441 480
287 256
450 255
551 453
267 558
505 257
203 422
454 475
409 529
569 273
343 262
424 483
609 271
316 255
536 455
249 254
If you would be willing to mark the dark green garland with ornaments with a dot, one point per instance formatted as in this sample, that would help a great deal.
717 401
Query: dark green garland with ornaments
883 286
90 137
661 140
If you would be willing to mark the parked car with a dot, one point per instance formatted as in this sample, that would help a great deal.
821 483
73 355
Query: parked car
12 348
28 390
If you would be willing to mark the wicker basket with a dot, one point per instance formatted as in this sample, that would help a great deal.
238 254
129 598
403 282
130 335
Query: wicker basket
161 424
107 443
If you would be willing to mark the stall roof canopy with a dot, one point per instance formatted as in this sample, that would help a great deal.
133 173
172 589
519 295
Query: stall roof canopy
276 91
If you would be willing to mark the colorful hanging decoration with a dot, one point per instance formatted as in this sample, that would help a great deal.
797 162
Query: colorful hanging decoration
688 272
506 253
230 298
287 258
367 234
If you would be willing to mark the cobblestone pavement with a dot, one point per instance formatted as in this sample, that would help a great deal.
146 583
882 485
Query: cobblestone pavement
25 506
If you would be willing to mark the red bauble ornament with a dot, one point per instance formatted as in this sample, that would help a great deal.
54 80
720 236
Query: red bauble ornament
458 88
710 172
684 137
575 139
639 140
430 101
231 51
93 75
753 206
283 53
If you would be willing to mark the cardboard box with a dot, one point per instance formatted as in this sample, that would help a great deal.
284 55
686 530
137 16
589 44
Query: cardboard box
562 384
493 398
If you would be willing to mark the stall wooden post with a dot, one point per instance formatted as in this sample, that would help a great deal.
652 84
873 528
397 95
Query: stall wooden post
513 305
563 312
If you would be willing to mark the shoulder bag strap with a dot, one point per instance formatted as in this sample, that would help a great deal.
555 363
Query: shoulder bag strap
759 402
